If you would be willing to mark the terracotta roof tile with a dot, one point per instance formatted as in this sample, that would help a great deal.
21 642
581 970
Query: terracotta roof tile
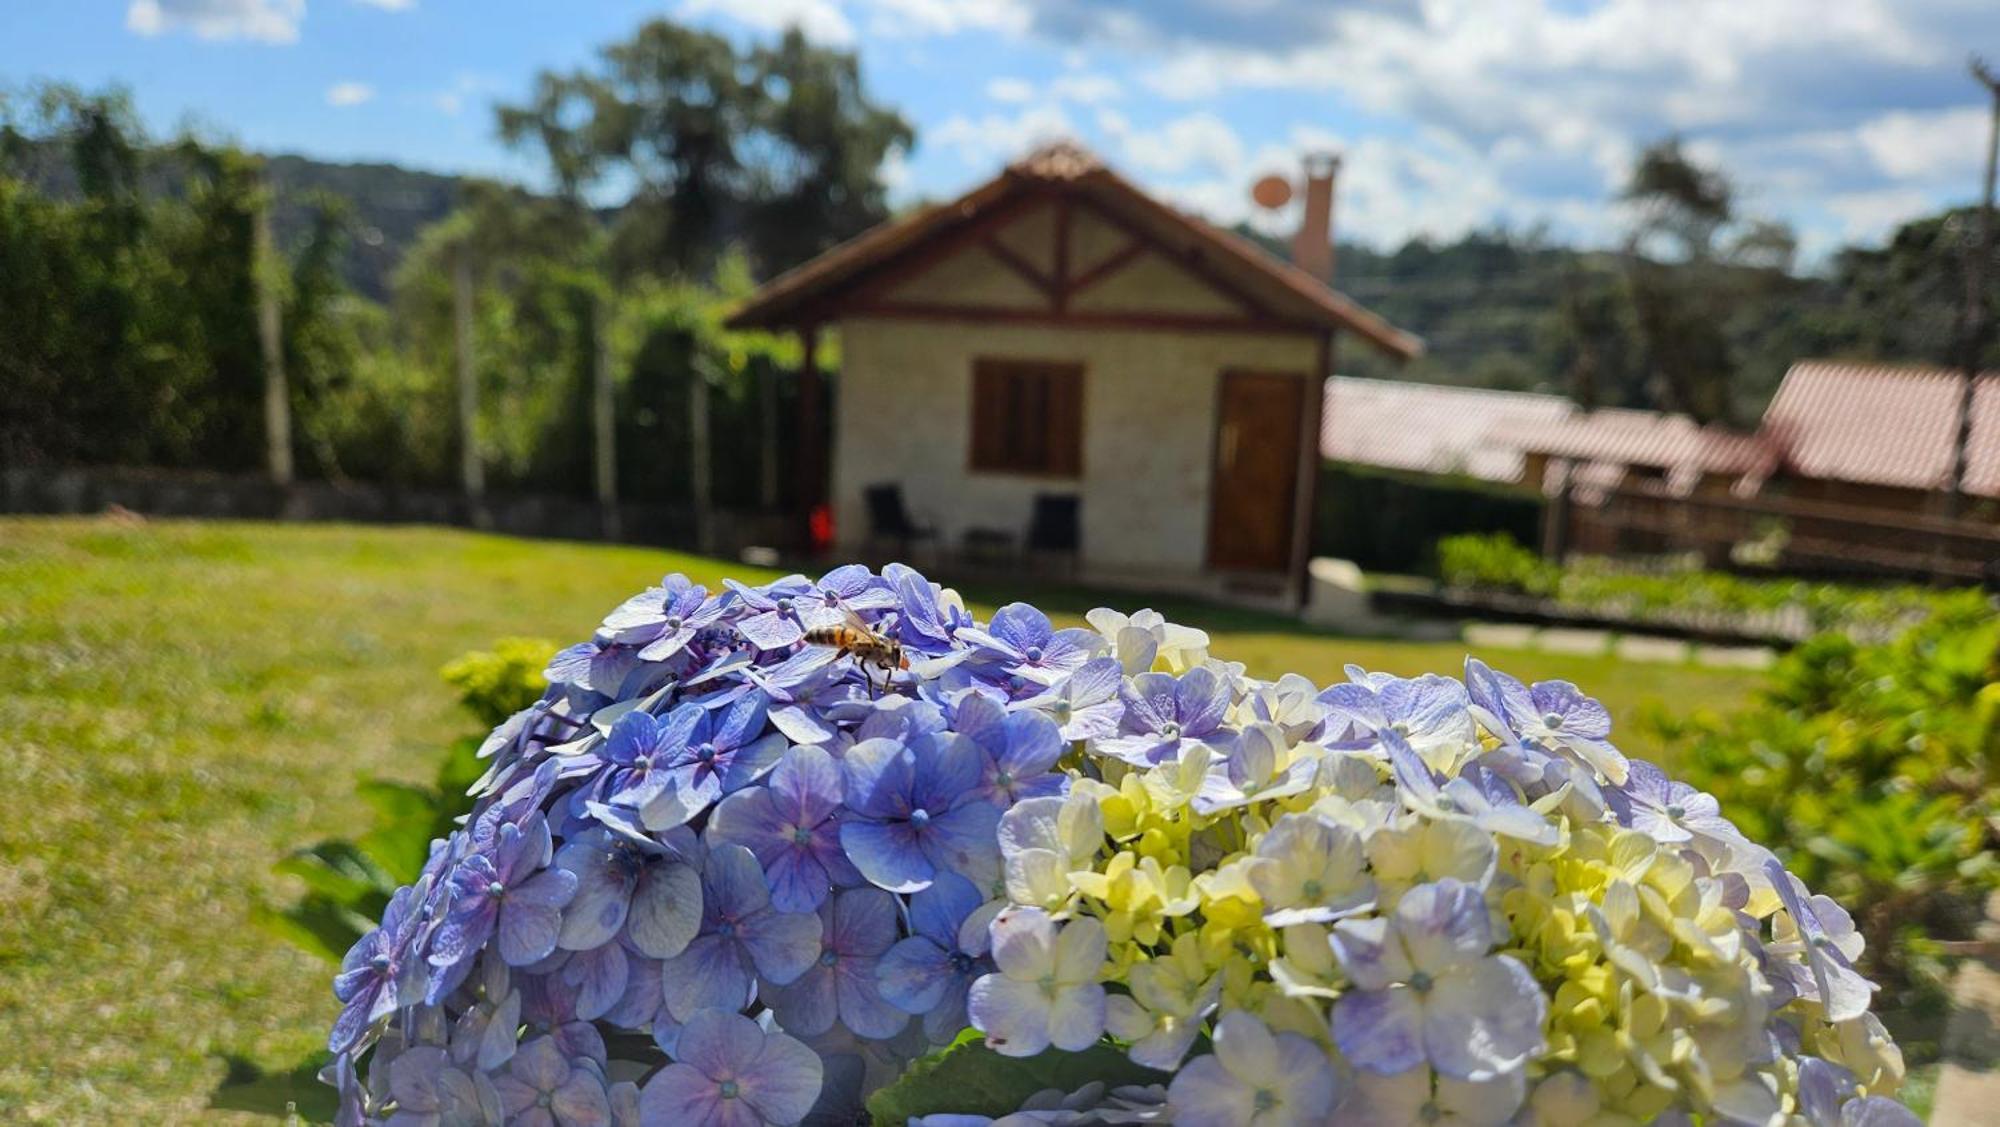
1884 424
805 291
1429 428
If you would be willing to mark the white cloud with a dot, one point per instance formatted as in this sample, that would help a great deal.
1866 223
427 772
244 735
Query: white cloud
390 5
1537 107
1088 89
1013 91
994 139
268 21
947 17
822 21
1198 141
1913 146
345 94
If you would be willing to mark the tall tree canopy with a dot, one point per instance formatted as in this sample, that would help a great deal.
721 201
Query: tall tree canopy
774 147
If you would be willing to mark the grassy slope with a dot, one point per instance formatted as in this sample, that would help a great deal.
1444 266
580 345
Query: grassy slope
187 702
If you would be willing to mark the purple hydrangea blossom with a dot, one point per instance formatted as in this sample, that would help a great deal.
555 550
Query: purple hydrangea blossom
1554 716
1024 643
1491 807
858 926
1164 714
804 689
925 621
792 825
505 894
380 972
662 620
915 811
1669 811
728 1072
637 888
1431 713
1021 749
702 755
1830 978
1425 989
543 1087
742 938
1085 705
431 1091
929 973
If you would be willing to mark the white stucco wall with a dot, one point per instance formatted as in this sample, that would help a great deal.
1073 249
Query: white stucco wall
904 414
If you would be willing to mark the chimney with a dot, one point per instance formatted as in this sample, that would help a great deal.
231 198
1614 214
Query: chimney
1312 249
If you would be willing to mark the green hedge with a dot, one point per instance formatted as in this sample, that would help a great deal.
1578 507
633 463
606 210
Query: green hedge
1783 606
1392 522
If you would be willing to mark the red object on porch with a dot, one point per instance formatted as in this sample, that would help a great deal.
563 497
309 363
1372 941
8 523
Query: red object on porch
819 528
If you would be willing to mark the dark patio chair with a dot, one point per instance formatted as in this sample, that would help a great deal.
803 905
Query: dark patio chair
1054 532
889 519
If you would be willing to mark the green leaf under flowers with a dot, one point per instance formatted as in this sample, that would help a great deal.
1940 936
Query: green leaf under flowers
966 1077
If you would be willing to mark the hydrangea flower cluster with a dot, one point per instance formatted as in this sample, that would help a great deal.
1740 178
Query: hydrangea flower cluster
713 877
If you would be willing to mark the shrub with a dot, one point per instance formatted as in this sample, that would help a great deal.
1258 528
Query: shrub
720 872
1872 768
1781 607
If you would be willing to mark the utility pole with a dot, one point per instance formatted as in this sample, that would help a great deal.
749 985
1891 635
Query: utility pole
264 266
604 419
471 470
1973 323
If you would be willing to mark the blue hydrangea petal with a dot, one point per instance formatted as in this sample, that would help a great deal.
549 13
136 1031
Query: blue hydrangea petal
527 932
1380 1030
783 1081
808 1006
679 1093
783 945
915 974
880 776
709 975
666 910
1484 1019
599 978
887 854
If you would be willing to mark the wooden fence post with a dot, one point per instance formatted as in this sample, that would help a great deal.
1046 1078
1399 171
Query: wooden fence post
264 265
471 470
605 423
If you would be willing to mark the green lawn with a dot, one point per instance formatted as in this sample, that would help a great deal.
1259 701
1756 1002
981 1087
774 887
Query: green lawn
187 702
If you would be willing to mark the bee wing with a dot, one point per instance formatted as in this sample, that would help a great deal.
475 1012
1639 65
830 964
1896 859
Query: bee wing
857 623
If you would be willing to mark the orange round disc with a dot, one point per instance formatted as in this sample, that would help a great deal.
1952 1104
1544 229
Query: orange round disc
1272 192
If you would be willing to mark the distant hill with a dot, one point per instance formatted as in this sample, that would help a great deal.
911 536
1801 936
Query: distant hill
1490 310
389 205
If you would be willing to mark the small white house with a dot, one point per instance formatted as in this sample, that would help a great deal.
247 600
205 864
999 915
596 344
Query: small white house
1056 335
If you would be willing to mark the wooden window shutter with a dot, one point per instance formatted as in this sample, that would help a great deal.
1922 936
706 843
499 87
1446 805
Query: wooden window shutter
1027 417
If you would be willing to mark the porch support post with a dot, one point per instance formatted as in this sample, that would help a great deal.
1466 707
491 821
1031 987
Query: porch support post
1306 495
811 469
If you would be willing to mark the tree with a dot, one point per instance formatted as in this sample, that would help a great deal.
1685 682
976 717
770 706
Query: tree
775 147
1682 291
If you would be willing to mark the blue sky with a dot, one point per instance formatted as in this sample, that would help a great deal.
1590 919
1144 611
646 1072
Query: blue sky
1840 116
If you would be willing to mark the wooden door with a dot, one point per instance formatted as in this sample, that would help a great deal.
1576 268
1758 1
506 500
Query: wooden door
1256 470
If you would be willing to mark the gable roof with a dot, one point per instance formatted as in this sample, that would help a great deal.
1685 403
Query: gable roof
808 292
1433 428
1606 443
1884 424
